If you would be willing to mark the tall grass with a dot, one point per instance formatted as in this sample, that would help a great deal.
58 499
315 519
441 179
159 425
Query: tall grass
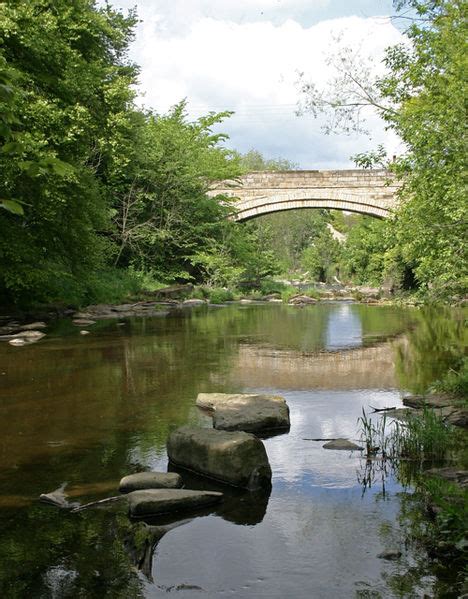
423 435
374 434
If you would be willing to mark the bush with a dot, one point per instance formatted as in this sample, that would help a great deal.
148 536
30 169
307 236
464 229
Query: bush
215 295
268 286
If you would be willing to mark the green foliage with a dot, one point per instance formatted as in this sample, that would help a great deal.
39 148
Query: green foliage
455 381
320 259
268 286
219 295
422 436
68 80
434 347
253 160
163 220
422 97
428 81
89 180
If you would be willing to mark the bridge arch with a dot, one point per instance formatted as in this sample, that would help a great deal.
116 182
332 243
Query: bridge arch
248 209
363 191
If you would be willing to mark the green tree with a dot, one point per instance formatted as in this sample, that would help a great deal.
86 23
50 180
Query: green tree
321 258
422 98
163 217
71 81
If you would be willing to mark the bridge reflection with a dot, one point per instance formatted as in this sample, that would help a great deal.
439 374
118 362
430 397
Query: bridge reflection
359 368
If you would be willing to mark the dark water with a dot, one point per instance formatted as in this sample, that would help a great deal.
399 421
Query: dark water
88 410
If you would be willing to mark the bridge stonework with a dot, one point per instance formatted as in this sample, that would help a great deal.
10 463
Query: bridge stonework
364 191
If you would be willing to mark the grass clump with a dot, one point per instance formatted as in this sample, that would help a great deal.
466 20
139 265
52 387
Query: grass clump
424 435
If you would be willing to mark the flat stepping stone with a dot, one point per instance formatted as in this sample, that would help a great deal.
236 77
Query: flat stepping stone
152 502
150 480
247 412
235 458
343 444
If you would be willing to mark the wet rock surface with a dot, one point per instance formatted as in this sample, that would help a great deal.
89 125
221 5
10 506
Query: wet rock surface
427 401
193 302
151 502
150 480
58 498
235 458
445 406
301 300
110 311
342 444
247 412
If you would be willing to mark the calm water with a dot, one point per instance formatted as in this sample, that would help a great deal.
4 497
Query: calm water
88 410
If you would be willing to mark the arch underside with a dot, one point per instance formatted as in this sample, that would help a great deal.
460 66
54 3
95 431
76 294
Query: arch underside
252 208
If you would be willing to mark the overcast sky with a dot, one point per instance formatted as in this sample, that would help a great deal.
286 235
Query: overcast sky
245 56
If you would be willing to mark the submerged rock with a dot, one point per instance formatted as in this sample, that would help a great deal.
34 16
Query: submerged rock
236 458
83 322
150 480
247 412
152 502
342 444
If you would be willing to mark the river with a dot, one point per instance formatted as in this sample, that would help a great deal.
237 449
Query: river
88 410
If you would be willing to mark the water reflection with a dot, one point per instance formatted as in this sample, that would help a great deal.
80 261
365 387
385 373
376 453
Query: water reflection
89 410
344 328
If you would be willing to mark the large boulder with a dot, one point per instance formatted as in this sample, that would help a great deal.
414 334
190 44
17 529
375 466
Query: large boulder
152 502
150 480
235 458
249 412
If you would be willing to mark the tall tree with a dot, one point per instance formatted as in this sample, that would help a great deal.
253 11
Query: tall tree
71 78
422 97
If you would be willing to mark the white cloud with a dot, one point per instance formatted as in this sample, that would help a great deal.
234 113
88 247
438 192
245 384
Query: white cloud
203 51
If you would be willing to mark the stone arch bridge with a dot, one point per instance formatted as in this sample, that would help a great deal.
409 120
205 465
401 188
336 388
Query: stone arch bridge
369 192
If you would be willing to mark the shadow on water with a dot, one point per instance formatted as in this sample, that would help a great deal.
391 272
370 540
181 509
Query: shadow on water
237 506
